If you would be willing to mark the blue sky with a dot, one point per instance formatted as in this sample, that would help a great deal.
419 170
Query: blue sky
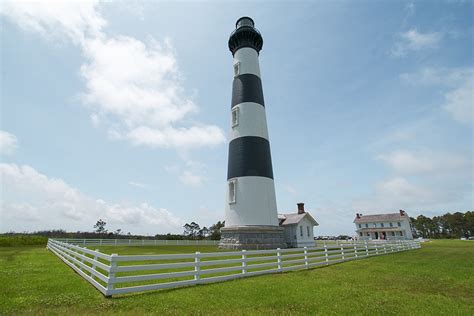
121 110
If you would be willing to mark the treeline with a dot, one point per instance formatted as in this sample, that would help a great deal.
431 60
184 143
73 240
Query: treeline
192 231
455 225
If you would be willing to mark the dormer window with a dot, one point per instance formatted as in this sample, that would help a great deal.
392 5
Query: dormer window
232 191
235 117
236 69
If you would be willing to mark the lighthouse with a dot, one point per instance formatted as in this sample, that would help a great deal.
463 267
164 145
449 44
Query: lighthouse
251 218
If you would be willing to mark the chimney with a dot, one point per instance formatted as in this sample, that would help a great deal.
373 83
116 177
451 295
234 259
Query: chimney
358 215
300 208
402 212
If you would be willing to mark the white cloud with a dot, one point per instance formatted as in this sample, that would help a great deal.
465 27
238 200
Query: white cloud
8 143
192 173
460 102
138 185
415 41
457 85
33 201
189 178
73 20
133 88
421 180
407 163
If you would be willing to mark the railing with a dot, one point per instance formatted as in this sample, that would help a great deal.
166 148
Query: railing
119 274
136 242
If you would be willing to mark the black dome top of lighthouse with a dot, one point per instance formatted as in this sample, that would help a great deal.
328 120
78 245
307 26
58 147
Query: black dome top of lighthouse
245 35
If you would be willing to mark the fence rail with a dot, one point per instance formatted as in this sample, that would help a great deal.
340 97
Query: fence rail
136 242
119 274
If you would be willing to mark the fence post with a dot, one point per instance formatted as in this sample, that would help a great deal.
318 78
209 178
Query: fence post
306 257
376 249
110 283
82 259
355 250
93 265
366 249
244 261
197 267
279 259
384 248
326 253
342 252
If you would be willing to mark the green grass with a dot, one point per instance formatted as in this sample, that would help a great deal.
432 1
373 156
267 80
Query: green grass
435 280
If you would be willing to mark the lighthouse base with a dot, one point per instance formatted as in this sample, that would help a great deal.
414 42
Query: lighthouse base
252 237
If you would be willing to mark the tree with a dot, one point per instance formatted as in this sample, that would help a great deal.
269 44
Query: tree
118 232
203 232
191 230
100 227
215 230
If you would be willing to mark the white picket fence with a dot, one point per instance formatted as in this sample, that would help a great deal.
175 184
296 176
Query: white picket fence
136 242
119 274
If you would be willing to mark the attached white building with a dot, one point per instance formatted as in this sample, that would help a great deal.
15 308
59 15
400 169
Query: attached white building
298 228
383 226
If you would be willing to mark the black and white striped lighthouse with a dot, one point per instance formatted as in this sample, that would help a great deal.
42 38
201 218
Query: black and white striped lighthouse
251 219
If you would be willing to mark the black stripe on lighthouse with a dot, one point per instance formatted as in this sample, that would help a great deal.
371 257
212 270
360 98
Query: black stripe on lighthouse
247 88
249 156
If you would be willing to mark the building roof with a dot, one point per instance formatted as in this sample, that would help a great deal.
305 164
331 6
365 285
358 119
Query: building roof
380 217
295 218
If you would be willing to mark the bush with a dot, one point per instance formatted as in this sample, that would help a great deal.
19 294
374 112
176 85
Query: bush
22 240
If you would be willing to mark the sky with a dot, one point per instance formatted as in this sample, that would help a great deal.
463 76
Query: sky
120 110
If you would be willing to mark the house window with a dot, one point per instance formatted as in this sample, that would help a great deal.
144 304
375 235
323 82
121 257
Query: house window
375 225
401 233
307 230
368 234
399 224
391 224
235 117
366 225
393 233
360 226
360 234
232 191
236 69
381 225
301 231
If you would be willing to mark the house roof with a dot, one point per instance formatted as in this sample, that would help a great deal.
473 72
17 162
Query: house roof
295 218
380 218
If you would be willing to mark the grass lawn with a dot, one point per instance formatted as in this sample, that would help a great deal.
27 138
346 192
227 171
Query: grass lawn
435 280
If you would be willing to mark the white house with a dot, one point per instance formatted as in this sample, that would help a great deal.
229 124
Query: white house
298 228
383 226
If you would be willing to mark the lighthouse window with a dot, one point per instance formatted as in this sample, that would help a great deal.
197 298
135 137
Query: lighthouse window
236 69
235 117
232 184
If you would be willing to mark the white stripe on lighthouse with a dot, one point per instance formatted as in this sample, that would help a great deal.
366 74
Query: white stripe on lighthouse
248 58
255 203
250 121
